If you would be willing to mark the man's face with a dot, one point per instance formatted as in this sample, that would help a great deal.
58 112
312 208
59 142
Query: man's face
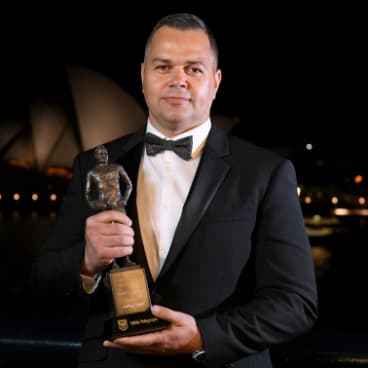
179 79
101 155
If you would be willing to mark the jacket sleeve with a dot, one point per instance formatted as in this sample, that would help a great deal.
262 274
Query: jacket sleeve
284 302
56 268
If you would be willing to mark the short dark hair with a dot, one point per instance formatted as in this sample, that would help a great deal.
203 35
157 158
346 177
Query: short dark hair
183 22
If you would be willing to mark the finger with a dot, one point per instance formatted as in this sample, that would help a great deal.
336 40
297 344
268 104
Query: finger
119 241
146 341
109 229
113 216
167 314
120 217
135 348
116 252
110 344
118 229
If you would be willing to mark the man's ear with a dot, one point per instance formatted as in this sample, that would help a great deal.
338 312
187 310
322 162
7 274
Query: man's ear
142 75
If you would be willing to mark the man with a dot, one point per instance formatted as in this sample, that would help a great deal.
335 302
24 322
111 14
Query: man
219 231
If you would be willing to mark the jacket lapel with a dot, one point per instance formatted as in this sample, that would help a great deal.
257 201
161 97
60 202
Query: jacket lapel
210 174
130 159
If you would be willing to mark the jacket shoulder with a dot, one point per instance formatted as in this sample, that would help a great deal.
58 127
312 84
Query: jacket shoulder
259 155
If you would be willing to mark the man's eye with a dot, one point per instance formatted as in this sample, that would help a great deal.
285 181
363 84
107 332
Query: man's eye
194 70
162 67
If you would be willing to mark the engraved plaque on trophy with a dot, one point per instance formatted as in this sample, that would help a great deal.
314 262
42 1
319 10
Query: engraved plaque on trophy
128 283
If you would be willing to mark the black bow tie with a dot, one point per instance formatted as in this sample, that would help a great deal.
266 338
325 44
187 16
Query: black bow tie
182 147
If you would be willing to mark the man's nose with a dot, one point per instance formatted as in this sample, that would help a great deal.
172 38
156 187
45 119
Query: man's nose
178 78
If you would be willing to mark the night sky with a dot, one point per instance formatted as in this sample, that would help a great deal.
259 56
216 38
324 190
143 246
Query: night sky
290 74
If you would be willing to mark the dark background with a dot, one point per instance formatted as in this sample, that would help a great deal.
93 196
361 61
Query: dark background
291 74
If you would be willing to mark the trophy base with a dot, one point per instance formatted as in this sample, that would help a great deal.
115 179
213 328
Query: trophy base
132 304
133 324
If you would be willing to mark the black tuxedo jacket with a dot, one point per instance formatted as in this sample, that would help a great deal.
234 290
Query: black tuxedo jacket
240 260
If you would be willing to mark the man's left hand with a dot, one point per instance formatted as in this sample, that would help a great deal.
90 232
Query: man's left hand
181 337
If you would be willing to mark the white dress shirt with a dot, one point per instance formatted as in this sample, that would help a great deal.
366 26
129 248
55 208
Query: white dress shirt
164 181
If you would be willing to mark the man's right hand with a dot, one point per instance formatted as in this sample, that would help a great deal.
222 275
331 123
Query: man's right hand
108 235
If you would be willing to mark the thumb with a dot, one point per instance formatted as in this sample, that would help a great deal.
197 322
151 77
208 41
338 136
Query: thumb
163 313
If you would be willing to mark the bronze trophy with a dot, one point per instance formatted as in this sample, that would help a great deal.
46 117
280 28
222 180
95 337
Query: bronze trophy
128 283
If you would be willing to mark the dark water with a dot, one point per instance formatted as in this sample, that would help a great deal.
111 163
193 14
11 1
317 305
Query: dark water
340 260
342 281
21 235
